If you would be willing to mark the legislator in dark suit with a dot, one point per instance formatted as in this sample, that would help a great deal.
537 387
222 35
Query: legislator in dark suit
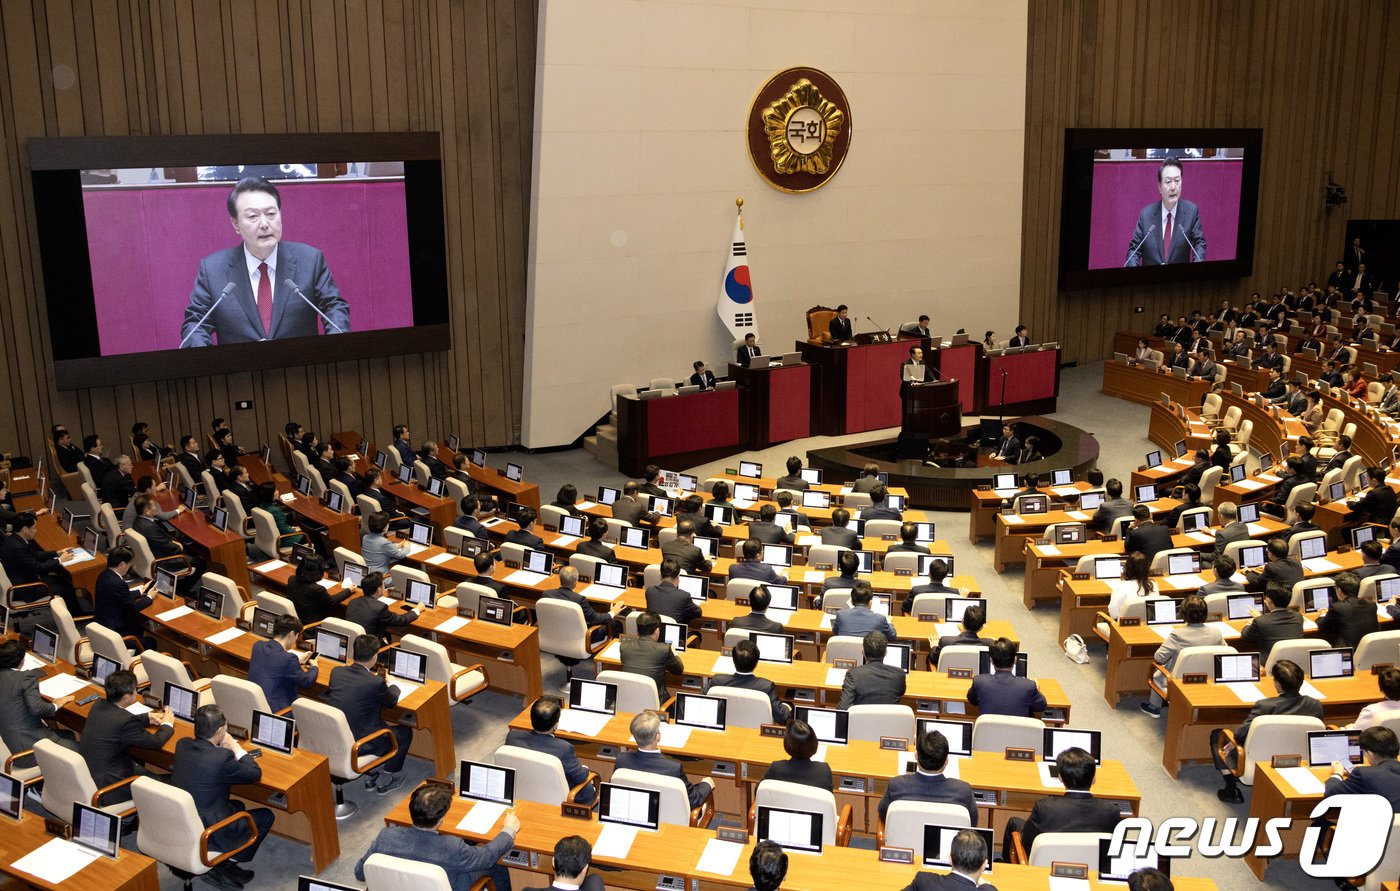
757 622
746 354
206 771
937 881
659 764
933 787
749 681
360 695
313 602
686 554
704 380
1287 704
373 615
1148 245
666 599
1347 621
1150 538
809 773
629 509
116 607
591 616
1378 505
279 673
591 548
1382 778
839 328
592 883
1002 693
236 319
108 737
549 744
873 683
1235 531
651 658
1074 811
769 532
464 862
23 710
755 570
1270 628
840 536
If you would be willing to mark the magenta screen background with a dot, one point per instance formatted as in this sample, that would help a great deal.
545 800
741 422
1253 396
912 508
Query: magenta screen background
145 246
1123 188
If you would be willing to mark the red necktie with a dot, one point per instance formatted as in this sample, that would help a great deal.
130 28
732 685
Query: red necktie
264 299
1167 240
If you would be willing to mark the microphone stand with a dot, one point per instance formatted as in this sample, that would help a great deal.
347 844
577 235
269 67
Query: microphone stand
1134 249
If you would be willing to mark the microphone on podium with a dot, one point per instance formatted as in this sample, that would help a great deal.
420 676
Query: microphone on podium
295 290
200 324
1134 249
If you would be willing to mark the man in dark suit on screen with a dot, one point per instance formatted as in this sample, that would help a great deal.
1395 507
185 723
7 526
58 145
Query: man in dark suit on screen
1169 230
242 294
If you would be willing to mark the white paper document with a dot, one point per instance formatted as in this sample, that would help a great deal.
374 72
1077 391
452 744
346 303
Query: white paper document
612 652
813 577
270 566
719 857
482 817
525 578
56 861
1256 529
60 685
573 720
1227 631
171 615
78 556
225 636
31 662
806 541
1081 516
821 753
1309 690
1062 491
1201 537
1012 519
438 559
1061 883
825 623
586 505
139 709
455 623
1302 779
673 736
615 841
1249 485
563 541
1049 551
1320 564
945 629
412 547
1247 692
835 677
1186 580
328 584
1046 780
724 665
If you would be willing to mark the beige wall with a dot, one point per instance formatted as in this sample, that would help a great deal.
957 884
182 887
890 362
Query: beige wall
640 153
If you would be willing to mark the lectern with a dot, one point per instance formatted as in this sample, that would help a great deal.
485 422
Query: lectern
931 408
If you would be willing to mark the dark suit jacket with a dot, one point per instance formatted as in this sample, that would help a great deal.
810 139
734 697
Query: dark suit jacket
116 606
1002 693
526 538
1188 242
549 744
312 601
935 881
1347 621
1293 704
592 883
929 787
69 457
24 562
873 683
743 355
757 622
705 381
1270 628
100 467
590 615
755 570
376 617
1150 538
22 709
629 510
1377 779
840 536
1288 572
591 548
117 488
279 673
105 745
1377 505
880 512
206 771
652 658
858 621
769 533
659 764
1071 812
360 694
781 710
690 558
840 329
1236 531
162 545
463 862
668 600
236 319
808 773
961 639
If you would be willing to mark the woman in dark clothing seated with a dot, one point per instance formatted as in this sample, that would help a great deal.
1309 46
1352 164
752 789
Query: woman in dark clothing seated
801 744
313 602
565 500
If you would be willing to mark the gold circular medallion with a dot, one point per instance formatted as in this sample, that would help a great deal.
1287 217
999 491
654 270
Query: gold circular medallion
799 130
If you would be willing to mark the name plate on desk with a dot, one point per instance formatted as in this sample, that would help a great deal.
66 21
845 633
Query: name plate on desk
1079 576
889 536
1281 761
731 834
741 601
1129 622
844 664
928 617
772 730
1016 753
575 811
1069 871
897 743
961 674
897 855
1194 678
58 827
904 572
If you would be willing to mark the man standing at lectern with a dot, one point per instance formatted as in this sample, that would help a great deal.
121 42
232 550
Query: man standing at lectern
1169 230
913 371
840 327
265 289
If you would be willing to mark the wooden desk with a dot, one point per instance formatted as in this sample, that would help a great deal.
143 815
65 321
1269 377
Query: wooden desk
441 511
343 529
1136 384
1272 797
130 871
985 505
1013 531
779 401
494 479
511 654
187 637
676 850
226 550
50 536
679 429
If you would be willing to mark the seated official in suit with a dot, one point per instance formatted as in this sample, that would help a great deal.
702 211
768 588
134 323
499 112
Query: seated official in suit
937 574
525 535
372 614
242 488
878 509
464 862
745 354
345 473
1351 616
117 488
840 326
1227 578
544 717
218 466
1231 529
801 744
768 866
1008 447
98 464
973 621
869 478
427 453
312 601
749 566
719 494
1378 504
1194 633
1288 680
468 521
370 488
111 732
23 709
279 668
873 682
1280 568
647 654
402 443
1113 507
607 626
594 546
764 529
757 618
667 599
837 533
847 564
1075 811
1371 553
651 482
461 472
189 456
968 855
785 509
268 501
323 456
116 606
908 541
572 857
1145 536
1276 623
207 765
646 730
1379 774
69 455
26 562
682 549
793 480
377 550
703 377
631 507
745 657
858 619
1001 692
485 566
361 694
928 783
1021 338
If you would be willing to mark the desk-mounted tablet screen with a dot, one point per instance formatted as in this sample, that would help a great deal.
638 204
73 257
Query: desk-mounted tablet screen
1239 606
831 725
773 647
571 526
674 635
1021 669
420 593
44 643
750 469
1249 512
496 610
1062 477
938 845
407 665
705 712
271 731
1328 746
593 696
958 734
629 806
1057 739
332 644
1091 500
698 587
781 597
95 829
102 667
420 533
709 547
352 574
1183 564
719 514
816 498
632 537
1128 861
795 830
263 621
11 797
486 782
777 555
182 701
1108 567
311 883
926 561
812 475
537 561
897 655
210 602
610 575
1251 556
1234 669
607 494
1334 663
924 533
955 608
